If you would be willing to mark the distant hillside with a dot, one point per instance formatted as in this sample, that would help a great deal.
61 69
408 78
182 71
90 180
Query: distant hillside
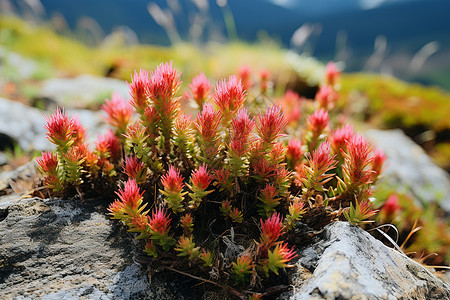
407 25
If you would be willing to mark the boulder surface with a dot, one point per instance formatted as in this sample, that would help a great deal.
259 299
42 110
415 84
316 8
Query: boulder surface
346 262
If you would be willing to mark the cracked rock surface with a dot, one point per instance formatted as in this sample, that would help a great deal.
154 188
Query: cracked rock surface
348 263
62 249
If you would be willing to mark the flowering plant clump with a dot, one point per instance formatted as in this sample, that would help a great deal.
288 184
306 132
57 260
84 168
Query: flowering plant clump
224 191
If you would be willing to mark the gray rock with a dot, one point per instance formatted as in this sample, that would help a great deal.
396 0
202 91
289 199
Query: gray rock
348 263
82 91
61 249
25 124
15 67
409 167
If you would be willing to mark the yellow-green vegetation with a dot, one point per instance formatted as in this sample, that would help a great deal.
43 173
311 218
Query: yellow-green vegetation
73 58
395 103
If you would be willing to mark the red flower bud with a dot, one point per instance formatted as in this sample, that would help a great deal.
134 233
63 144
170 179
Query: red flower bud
163 83
135 169
200 88
207 122
331 73
391 206
60 129
109 143
294 151
326 97
291 103
242 126
271 124
159 222
138 86
172 181
318 121
48 162
119 112
271 229
340 136
229 96
245 74
201 178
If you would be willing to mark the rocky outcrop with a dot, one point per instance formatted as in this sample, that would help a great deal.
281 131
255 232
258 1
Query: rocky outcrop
82 91
61 249
408 166
345 262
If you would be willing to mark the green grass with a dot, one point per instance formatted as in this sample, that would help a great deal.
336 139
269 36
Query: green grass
395 103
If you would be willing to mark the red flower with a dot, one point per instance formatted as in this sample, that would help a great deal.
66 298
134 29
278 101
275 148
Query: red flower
159 222
318 121
242 126
326 97
200 88
271 124
207 122
290 103
163 83
109 143
172 181
391 206
294 151
321 160
201 178
119 111
135 168
245 76
284 254
377 162
60 129
229 96
48 162
331 73
271 229
357 160
78 131
138 86
130 198
263 169
264 76
340 136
